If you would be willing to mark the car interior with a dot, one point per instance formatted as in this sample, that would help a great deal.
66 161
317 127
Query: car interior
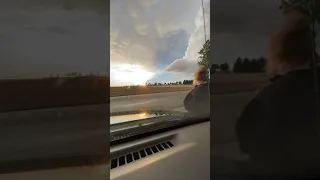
175 153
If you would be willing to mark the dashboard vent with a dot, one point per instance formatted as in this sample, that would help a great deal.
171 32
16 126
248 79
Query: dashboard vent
120 161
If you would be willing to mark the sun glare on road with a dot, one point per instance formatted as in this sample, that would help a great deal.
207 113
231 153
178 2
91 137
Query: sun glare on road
142 115
130 74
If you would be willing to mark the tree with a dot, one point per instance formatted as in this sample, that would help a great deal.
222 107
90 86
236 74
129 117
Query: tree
213 68
205 57
237 67
221 67
247 65
224 67
205 54
187 82
261 64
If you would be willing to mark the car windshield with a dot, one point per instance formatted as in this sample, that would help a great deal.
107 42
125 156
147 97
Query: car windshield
54 83
155 51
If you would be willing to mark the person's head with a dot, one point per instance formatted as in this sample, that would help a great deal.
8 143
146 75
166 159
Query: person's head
200 76
291 48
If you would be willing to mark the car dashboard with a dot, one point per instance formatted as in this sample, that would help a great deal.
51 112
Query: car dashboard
182 153
177 153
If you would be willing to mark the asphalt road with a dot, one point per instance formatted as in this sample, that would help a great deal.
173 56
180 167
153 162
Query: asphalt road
26 135
225 108
165 101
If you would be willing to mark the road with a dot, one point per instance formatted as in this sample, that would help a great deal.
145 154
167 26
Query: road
225 108
47 133
171 100
225 152
85 129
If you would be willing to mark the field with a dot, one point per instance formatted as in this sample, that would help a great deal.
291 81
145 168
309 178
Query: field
124 91
59 92
220 83
53 92
230 83
216 88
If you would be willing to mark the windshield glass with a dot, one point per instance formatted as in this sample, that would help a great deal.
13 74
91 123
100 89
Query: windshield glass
54 83
154 54
116 118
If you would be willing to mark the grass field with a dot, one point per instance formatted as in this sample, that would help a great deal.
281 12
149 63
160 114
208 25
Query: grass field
59 92
124 91
220 83
221 88
216 88
53 92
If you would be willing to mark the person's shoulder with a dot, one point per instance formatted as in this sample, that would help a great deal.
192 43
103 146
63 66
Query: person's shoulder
199 90
275 90
200 86
203 85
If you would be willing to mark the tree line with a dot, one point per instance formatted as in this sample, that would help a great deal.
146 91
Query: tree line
184 82
224 67
241 65
73 74
246 65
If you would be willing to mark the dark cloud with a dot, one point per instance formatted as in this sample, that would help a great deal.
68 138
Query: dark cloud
172 46
226 48
100 6
43 38
51 29
245 16
242 28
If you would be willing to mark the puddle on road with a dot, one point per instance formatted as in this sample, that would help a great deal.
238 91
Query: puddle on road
120 118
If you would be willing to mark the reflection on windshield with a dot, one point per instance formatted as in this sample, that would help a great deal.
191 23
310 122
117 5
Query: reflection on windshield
123 117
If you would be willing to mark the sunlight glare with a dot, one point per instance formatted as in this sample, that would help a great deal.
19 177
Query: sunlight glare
130 74
142 115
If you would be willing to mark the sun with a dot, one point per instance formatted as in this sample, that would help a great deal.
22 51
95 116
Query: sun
131 74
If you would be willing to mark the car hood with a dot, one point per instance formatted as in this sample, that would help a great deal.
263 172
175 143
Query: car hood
132 123
136 116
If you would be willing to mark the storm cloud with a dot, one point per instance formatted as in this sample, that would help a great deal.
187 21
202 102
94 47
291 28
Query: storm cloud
188 63
150 33
39 38
242 28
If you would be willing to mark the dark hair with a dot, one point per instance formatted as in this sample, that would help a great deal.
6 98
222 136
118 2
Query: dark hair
292 46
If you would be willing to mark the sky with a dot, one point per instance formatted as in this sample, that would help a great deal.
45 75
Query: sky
159 40
155 40
43 37
243 28
147 40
